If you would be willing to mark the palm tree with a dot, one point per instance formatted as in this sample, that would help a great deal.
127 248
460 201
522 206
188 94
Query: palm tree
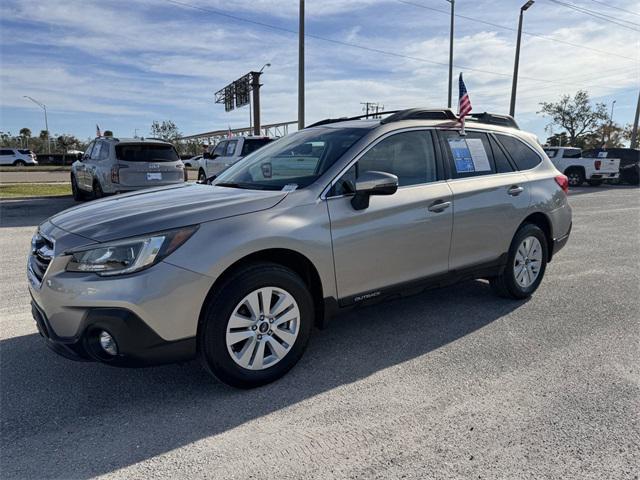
25 133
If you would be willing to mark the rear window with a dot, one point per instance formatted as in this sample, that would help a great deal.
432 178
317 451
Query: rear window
146 153
523 156
26 152
251 145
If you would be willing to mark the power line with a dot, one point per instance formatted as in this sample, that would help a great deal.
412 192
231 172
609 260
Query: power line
363 47
615 8
599 16
531 34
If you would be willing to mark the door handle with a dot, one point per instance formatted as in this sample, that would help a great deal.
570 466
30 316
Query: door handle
515 190
439 206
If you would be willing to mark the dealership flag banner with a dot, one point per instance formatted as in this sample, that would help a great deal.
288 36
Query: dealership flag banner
464 104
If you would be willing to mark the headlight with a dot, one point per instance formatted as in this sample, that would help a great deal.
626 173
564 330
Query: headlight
130 255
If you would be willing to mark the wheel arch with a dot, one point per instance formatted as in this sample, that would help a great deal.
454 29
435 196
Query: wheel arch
285 257
543 222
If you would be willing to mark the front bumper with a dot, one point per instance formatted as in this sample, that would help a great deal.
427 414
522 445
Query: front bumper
138 345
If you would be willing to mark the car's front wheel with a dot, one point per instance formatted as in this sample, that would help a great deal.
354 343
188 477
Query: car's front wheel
75 190
97 190
526 264
19 163
256 325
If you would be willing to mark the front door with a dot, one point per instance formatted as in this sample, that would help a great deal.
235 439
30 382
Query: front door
401 237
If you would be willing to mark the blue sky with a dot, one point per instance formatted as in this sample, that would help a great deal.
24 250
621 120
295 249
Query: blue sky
124 64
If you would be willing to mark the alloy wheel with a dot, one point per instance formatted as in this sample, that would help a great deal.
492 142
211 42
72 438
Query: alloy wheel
263 328
527 262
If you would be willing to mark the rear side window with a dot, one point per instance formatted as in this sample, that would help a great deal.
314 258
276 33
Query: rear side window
470 155
231 148
146 153
6 152
503 165
251 145
523 156
551 152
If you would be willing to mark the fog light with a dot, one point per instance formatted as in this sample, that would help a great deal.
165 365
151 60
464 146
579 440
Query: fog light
107 343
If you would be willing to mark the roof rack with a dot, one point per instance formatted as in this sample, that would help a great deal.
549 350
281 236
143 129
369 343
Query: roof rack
327 121
494 119
421 114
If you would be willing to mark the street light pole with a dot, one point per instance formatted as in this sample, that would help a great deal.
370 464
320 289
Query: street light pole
46 121
611 120
452 2
301 67
514 86
634 132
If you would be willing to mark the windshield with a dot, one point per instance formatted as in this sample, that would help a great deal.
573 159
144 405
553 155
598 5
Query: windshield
294 161
146 153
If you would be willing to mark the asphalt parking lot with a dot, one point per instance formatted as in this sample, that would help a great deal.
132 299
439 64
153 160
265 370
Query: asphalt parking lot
453 383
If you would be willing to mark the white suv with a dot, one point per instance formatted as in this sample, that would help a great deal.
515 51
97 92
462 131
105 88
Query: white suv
17 157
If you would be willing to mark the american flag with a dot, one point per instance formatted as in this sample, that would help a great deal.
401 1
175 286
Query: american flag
229 133
98 134
464 104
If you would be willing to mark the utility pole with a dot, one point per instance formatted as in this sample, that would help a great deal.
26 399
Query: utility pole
514 86
301 67
452 2
611 120
46 122
634 132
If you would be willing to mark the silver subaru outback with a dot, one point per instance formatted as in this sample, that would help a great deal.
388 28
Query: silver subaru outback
340 214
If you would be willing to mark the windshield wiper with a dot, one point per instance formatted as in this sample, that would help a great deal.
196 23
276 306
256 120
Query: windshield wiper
229 184
245 186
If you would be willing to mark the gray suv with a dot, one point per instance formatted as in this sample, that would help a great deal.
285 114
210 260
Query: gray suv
117 165
340 214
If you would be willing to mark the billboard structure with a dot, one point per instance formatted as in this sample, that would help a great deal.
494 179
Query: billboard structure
238 94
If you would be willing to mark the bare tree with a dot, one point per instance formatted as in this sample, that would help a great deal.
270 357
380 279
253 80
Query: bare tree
576 115
166 130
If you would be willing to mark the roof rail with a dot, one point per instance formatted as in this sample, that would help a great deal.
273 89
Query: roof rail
494 119
372 115
421 114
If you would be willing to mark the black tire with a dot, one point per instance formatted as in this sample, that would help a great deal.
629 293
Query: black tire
97 190
19 163
505 284
202 177
631 177
575 176
594 183
212 347
75 190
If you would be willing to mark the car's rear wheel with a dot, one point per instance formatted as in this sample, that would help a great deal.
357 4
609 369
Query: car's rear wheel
19 163
575 177
526 264
75 190
97 190
256 325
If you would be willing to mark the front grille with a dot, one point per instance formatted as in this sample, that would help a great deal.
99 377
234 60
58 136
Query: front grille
41 255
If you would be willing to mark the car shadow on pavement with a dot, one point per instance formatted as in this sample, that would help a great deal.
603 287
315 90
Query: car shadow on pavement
64 419
31 211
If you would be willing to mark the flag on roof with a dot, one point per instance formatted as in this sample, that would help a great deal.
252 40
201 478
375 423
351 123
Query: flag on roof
464 104
98 134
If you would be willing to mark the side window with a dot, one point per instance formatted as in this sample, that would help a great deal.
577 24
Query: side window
523 156
231 148
87 152
471 155
104 152
6 152
220 148
408 155
503 165
551 152
95 153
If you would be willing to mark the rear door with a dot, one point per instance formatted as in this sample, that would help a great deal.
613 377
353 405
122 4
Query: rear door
399 238
491 198
211 166
148 164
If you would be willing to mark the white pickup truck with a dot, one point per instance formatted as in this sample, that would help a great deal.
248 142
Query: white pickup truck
226 153
569 160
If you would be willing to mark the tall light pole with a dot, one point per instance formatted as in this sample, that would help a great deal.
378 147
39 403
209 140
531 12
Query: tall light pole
634 132
301 67
514 86
611 120
453 3
46 122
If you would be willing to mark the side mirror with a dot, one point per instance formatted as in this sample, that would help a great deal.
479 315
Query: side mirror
373 183
209 155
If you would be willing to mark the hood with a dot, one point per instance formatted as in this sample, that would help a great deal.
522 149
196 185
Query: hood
161 208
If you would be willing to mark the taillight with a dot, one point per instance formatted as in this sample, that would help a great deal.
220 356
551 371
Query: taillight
563 181
115 174
598 164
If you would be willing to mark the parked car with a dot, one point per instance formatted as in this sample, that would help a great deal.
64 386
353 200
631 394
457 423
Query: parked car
113 165
226 153
578 169
17 157
330 217
629 161
193 162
